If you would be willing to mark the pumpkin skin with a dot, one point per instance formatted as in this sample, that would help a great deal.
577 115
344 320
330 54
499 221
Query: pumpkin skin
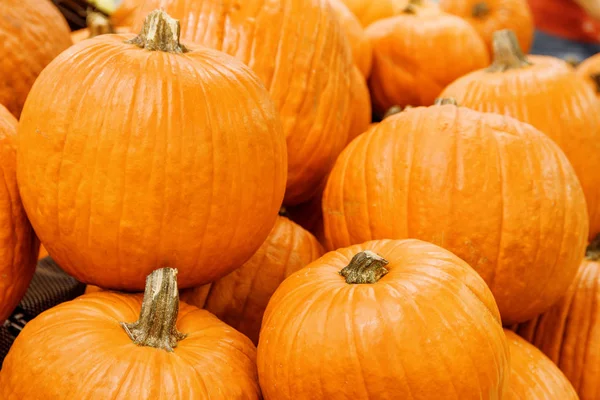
125 14
32 33
406 53
489 16
463 180
306 64
362 53
357 335
157 171
589 69
533 376
18 243
361 105
569 332
240 298
570 115
83 346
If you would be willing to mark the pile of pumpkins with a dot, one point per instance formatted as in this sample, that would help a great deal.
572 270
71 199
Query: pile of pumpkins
223 153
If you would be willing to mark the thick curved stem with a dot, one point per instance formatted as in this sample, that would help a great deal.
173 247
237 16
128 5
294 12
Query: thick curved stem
480 10
98 24
596 79
159 33
156 324
593 250
442 101
507 52
365 267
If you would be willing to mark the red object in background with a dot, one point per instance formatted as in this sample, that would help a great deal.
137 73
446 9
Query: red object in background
566 19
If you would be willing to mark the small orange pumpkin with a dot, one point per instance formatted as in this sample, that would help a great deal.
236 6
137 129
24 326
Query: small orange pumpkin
590 70
184 165
464 180
489 16
362 53
533 376
32 33
384 319
546 93
406 53
173 351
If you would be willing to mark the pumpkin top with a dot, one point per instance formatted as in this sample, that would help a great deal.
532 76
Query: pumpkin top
507 52
160 32
480 10
98 24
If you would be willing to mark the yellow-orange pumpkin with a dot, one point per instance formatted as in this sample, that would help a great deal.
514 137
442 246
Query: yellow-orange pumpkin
172 155
493 190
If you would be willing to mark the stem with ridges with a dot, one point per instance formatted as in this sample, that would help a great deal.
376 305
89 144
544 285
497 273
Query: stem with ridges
593 250
596 79
507 52
365 267
158 317
159 33
442 101
481 10
98 24
412 6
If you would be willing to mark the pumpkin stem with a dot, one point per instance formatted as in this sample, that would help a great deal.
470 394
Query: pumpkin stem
596 79
98 24
442 101
593 250
412 6
283 212
480 10
572 60
160 32
393 110
156 324
365 267
507 52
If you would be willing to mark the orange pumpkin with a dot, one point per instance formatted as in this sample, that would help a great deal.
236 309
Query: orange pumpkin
362 53
369 11
545 92
240 298
18 243
184 164
125 14
173 351
298 49
384 319
43 252
590 70
361 106
32 33
465 181
533 376
569 333
489 16
406 56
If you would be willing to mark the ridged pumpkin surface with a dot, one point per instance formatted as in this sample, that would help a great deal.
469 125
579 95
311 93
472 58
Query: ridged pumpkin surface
589 69
32 33
401 337
488 16
407 50
164 159
18 243
569 333
298 49
361 106
491 189
545 92
240 298
533 376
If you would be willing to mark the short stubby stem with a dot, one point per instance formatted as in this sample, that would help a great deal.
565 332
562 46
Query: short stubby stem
98 24
442 101
365 267
481 9
159 33
158 317
507 52
592 252
393 110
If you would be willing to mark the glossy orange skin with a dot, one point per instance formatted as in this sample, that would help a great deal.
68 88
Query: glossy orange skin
407 50
503 14
394 339
533 376
569 332
362 53
305 62
18 243
188 173
493 190
78 350
32 33
570 115
587 68
361 105
240 298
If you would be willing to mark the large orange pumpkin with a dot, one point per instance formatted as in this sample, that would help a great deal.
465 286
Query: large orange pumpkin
92 348
171 156
361 106
362 53
489 16
18 243
589 69
493 190
569 333
385 319
533 376
240 298
407 50
298 49
32 33
545 92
